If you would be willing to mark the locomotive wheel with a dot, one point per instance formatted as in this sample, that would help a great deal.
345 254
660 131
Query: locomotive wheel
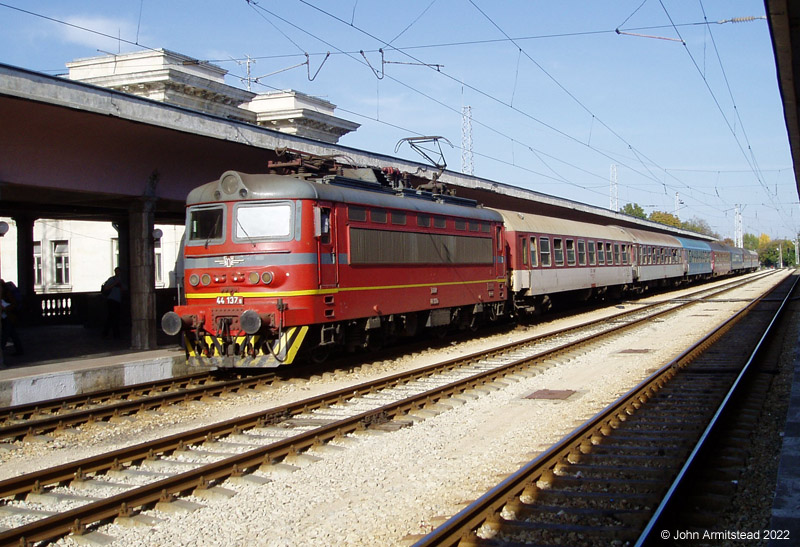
319 354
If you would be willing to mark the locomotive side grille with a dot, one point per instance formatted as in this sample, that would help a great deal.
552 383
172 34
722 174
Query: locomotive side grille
388 247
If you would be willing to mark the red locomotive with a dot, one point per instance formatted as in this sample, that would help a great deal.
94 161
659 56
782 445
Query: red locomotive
282 265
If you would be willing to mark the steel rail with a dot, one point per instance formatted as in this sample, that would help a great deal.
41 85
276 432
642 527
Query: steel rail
70 402
76 519
485 510
647 534
149 402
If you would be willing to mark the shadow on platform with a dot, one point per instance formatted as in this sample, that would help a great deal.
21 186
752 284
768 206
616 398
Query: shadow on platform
56 343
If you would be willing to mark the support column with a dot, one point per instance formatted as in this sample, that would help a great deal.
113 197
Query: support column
25 273
142 274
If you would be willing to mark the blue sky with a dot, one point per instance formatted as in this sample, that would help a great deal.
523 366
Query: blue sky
557 95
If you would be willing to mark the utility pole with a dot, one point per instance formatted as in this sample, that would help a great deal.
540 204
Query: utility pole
467 165
780 255
738 232
613 203
678 203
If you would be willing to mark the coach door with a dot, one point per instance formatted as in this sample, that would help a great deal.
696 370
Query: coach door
327 261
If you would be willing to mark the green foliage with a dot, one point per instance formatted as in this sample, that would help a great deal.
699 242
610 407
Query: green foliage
665 218
634 210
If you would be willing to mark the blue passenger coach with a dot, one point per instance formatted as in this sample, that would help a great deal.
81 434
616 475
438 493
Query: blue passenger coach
697 259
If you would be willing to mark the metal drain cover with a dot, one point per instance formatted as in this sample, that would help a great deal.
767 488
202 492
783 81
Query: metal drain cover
555 394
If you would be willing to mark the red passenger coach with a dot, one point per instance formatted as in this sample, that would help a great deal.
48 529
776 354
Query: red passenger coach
282 266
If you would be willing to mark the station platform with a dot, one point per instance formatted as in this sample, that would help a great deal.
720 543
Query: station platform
64 360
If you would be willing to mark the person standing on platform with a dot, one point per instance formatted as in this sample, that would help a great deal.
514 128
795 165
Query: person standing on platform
11 302
112 289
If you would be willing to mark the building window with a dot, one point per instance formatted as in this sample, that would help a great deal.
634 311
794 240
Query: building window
159 263
114 253
37 263
61 262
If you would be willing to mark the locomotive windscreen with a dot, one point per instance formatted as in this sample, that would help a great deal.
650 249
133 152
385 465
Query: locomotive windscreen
263 221
205 224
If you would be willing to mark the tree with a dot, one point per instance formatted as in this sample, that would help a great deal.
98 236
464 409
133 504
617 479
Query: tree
750 242
700 226
634 210
665 218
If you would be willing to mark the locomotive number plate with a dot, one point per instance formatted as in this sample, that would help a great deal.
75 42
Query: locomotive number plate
229 300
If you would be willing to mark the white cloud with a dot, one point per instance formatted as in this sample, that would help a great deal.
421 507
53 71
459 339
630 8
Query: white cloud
98 32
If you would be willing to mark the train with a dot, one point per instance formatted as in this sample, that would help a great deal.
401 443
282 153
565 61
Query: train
298 263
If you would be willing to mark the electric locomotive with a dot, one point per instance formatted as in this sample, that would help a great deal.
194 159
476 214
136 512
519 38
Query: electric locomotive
278 266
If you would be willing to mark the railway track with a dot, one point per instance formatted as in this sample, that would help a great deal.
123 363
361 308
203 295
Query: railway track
181 463
32 421
621 477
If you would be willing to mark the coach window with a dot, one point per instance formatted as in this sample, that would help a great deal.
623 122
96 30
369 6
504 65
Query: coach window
461 224
581 252
609 259
439 222
601 253
474 226
399 218
534 256
570 252
424 221
485 228
625 254
616 254
358 214
558 251
378 216
592 256
523 243
544 250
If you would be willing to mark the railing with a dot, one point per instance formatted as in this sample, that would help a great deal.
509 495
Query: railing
87 308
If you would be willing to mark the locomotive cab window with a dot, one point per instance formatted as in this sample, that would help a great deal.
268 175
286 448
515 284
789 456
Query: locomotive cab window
206 225
262 221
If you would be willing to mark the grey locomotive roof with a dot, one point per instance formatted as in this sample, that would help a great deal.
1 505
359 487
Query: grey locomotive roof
260 187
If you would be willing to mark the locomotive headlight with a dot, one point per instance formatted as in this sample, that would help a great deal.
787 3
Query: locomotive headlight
250 322
267 278
253 277
229 184
205 279
194 280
